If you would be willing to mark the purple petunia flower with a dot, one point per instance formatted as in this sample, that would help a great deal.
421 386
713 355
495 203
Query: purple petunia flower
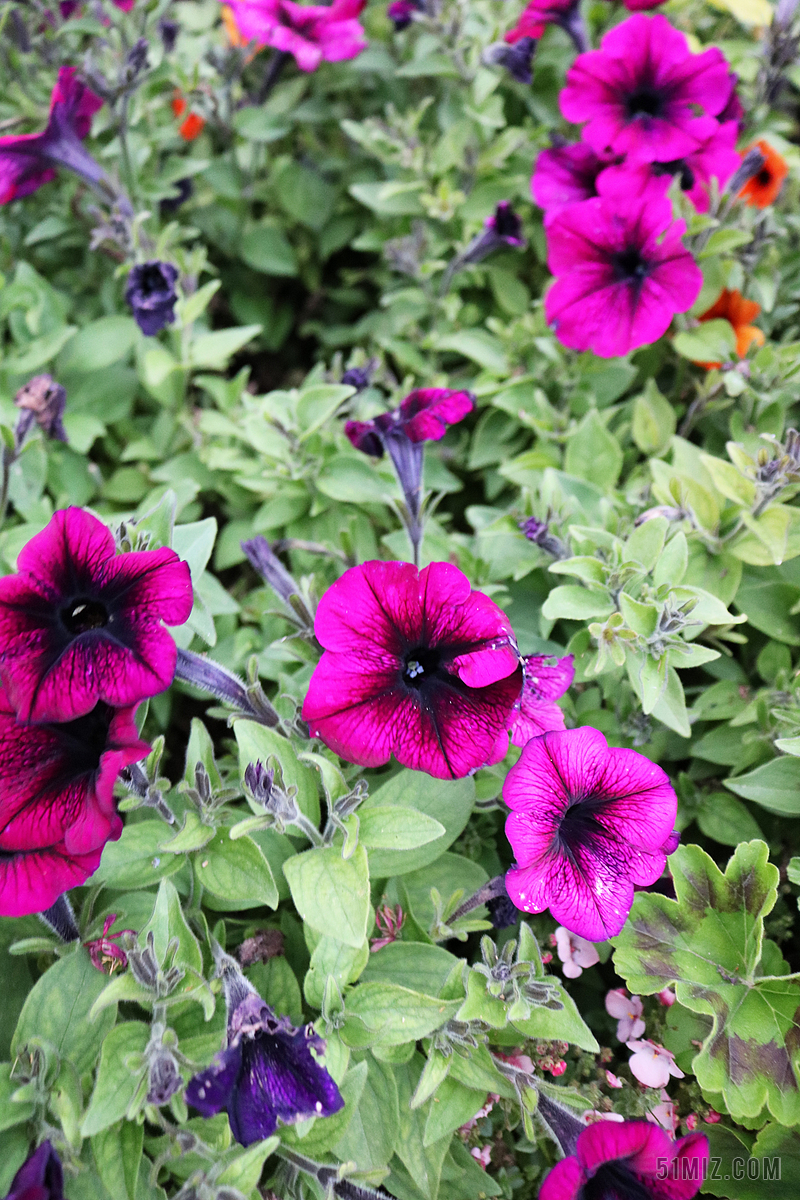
57 806
517 59
266 1073
545 678
632 1160
622 270
417 665
28 160
587 822
313 33
80 623
637 94
40 1177
150 291
402 12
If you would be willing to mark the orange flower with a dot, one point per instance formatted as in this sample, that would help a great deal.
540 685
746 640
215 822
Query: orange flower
762 190
194 123
178 104
731 306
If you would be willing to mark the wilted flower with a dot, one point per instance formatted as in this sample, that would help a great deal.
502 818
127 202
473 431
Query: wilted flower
613 1080
622 272
27 160
267 1072
168 32
630 1160
517 59
763 188
417 665
184 189
313 33
402 12
588 822
651 1064
42 401
575 952
638 93
40 1177
503 913
544 679
150 291
628 1013
389 921
80 623
106 956
502 228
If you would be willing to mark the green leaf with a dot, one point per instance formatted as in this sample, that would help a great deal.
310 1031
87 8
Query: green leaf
479 346
390 828
423 1163
244 1171
215 349
118 1156
767 600
573 603
447 801
711 342
100 343
331 893
729 481
136 860
333 958
266 248
12 1112
235 874
654 421
775 786
58 1009
707 943
394 1014
117 1084
646 542
195 305
671 707
327 1130
593 453
371 1137
453 1106
257 744
727 820
416 965
304 195
168 922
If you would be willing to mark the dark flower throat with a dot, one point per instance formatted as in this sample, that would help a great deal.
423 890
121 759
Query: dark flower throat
647 102
82 615
420 665
614 1181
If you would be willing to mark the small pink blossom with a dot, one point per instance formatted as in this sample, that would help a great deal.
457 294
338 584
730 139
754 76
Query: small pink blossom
712 1117
592 1116
105 955
651 1064
628 1012
389 921
691 1122
667 997
483 1154
613 1080
546 958
521 1061
664 1114
558 1068
575 952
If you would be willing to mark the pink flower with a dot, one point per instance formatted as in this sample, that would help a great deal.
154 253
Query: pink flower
311 32
638 93
591 1116
539 14
566 175
483 1154
628 1011
587 823
652 1065
28 160
641 5
57 806
627 1160
417 665
424 416
389 921
667 997
712 1117
691 1122
613 1080
622 272
80 623
544 679
575 953
664 1114
558 1068
522 1062
106 956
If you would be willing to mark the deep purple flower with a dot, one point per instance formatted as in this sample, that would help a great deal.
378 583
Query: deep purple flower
545 679
57 807
630 1160
80 623
171 204
503 913
714 158
517 59
417 665
639 91
502 228
401 12
539 532
168 32
265 1074
622 271
587 823
566 175
150 291
27 160
40 1178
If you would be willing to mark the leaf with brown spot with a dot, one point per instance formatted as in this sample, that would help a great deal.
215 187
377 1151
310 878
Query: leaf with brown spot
709 944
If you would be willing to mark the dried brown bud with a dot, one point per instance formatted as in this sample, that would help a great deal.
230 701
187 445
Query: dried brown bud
45 400
264 945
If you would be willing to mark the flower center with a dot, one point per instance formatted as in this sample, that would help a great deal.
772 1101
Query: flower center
151 280
84 614
614 1181
764 178
419 665
644 103
580 825
86 737
629 265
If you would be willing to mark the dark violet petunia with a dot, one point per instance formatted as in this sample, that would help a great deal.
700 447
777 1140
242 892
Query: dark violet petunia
588 822
566 175
57 779
402 12
80 623
40 1177
150 291
517 58
629 1160
638 93
28 160
622 272
417 665
266 1074
502 229
544 679
313 33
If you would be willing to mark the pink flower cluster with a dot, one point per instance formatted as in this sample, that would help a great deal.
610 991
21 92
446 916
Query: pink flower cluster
313 33
650 110
81 644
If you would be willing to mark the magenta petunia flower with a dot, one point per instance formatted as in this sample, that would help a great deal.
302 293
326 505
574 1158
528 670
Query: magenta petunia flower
311 32
57 779
80 623
540 13
622 270
638 93
545 679
566 175
417 665
588 822
28 160
630 1160
424 416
